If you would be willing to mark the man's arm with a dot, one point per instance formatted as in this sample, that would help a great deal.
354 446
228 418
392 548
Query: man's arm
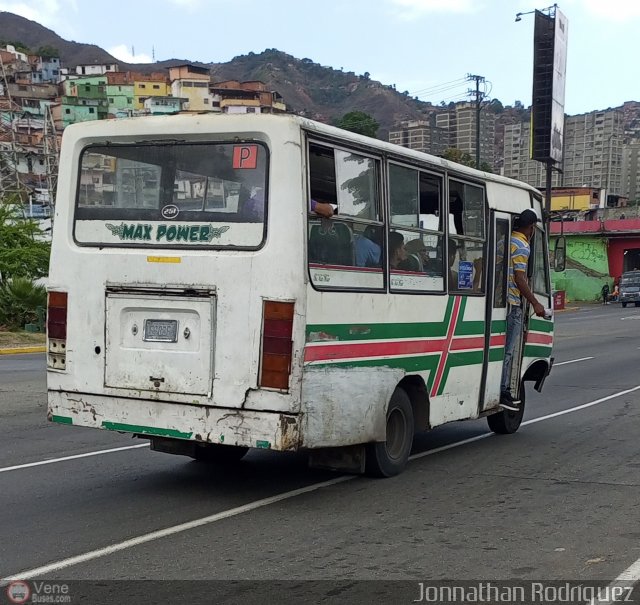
521 281
323 209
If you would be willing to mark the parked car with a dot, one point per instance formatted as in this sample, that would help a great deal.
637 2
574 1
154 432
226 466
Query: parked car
630 288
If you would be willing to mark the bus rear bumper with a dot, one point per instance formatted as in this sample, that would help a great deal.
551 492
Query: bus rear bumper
146 418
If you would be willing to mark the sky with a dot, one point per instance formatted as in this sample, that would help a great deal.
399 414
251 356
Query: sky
425 47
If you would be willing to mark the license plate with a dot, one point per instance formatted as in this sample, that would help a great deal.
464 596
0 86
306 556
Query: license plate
160 330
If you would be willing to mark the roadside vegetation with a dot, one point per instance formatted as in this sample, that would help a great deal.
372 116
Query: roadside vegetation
24 259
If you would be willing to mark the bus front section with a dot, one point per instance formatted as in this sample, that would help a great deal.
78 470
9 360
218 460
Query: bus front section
165 318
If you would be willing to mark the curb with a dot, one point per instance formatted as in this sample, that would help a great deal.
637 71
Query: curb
21 350
566 309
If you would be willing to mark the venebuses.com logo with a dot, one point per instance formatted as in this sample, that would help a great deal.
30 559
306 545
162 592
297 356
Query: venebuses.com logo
18 592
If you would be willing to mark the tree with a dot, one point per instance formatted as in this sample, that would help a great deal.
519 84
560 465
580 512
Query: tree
47 52
19 46
453 154
359 122
23 253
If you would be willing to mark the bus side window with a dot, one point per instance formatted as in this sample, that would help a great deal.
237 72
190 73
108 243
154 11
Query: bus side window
467 267
345 251
416 259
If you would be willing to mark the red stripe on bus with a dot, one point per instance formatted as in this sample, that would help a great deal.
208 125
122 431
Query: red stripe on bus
475 342
326 352
539 339
445 352
376 349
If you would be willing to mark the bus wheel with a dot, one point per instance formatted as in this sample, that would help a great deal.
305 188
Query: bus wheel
389 458
219 454
507 422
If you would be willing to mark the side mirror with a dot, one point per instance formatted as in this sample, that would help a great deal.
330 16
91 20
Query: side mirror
560 254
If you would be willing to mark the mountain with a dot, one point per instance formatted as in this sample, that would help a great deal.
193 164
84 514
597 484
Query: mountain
318 92
14 28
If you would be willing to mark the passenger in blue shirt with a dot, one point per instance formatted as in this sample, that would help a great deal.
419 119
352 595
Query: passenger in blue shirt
368 248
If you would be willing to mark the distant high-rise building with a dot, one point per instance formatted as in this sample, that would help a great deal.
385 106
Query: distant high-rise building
593 150
421 135
460 122
592 153
517 162
630 170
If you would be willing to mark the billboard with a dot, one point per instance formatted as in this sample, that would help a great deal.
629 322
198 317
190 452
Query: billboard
549 72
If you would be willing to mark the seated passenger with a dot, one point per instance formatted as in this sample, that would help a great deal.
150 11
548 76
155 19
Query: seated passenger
417 258
368 247
397 252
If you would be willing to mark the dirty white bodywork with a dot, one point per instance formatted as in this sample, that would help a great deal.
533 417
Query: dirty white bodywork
209 390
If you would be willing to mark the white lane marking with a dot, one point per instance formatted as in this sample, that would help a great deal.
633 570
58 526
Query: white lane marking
564 363
630 317
17 467
232 512
163 533
626 579
583 317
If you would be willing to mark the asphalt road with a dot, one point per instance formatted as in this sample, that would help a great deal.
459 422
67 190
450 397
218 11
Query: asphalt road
559 500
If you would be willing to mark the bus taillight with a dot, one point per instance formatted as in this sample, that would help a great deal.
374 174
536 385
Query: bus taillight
277 328
57 330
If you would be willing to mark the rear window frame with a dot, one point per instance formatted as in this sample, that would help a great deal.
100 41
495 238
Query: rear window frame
171 247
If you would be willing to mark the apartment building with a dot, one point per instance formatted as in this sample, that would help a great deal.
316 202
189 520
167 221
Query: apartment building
460 122
192 82
421 135
517 161
630 170
593 144
84 99
232 96
593 150
149 85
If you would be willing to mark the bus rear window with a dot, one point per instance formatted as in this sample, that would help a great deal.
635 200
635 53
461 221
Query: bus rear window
172 195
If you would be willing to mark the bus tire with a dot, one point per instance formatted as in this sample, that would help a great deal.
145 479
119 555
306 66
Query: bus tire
390 457
219 454
507 422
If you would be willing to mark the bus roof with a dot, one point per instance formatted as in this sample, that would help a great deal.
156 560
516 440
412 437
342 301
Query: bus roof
193 122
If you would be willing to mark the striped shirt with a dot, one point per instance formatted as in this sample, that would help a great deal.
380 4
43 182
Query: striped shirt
519 258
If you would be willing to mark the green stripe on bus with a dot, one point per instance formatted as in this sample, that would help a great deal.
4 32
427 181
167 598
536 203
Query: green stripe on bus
61 419
145 430
540 325
496 354
391 331
498 326
537 351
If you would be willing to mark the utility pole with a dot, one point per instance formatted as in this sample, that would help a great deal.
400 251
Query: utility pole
479 97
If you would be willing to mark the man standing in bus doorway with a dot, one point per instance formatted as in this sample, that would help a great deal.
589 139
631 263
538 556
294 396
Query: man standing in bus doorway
517 288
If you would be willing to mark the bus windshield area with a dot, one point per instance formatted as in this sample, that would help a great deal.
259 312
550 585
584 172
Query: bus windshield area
166 190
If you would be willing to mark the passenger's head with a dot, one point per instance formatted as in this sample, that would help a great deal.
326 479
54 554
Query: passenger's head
397 252
526 222
374 233
416 246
